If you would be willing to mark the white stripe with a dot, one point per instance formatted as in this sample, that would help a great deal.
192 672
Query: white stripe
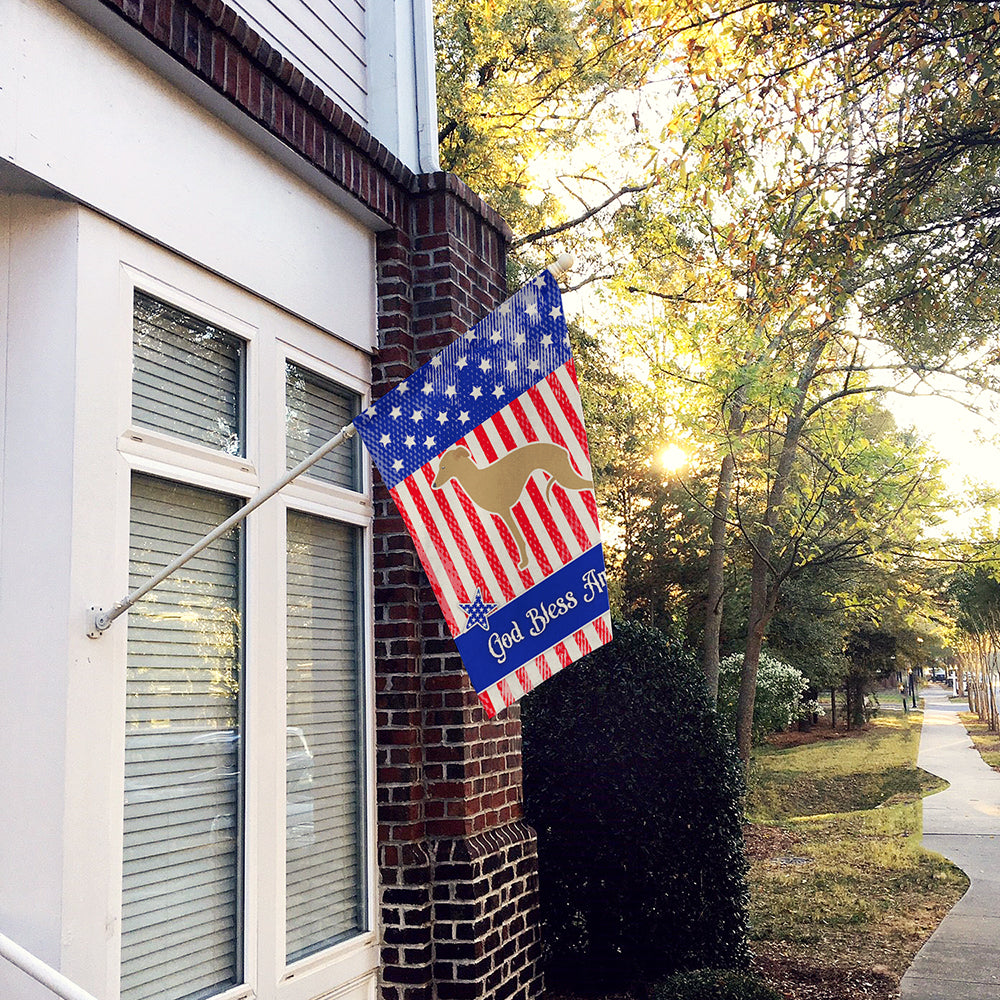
551 405
578 451
497 533
448 498
433 563
575 499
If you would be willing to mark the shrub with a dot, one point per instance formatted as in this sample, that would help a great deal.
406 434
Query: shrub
779 692
711 984
634 790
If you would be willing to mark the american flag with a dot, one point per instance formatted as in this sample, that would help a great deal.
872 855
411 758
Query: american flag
485 454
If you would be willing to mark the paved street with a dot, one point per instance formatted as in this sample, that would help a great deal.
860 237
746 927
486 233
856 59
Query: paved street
961 961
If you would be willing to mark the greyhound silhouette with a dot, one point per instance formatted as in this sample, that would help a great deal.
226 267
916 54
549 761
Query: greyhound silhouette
497 487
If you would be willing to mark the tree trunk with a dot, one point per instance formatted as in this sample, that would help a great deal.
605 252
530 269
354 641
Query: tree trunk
716 581
833 708
717 555
762 604
859 718
762 597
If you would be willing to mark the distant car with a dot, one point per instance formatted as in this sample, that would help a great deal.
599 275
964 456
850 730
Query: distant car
940 676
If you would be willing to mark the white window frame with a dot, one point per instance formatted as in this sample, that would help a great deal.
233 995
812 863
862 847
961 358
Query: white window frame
272 337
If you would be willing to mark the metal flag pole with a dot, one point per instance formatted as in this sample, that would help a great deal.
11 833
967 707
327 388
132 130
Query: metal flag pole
101 619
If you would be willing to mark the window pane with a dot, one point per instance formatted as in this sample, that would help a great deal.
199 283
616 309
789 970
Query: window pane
187 376
181 929
325 888
315 410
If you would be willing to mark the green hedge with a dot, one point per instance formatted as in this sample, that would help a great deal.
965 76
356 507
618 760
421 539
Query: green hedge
634 790
708 984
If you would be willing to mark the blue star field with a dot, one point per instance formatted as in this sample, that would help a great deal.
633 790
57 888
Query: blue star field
514 348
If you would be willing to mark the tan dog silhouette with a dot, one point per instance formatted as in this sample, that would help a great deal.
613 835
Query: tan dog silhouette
498 486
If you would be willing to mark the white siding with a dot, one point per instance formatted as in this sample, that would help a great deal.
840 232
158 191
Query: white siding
113 135
325 39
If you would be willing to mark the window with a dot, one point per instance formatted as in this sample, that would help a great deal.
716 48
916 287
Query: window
182 872
315 410
324 860
207 833
187 376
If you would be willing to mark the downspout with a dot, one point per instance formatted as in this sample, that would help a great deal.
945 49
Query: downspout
425 86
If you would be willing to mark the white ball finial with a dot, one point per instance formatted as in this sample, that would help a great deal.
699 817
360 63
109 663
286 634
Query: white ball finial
563 264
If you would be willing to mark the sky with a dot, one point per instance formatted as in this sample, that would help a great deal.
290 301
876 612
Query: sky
957 436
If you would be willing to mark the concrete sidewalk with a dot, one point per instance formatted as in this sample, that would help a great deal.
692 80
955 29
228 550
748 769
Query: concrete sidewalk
961 960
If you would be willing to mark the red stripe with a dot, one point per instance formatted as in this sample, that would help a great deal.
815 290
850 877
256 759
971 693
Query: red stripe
458 535
570 367
590 502
425 562
531 539
485 443
512 551
525 680
602 630
563 653
517 409
569 411
472 512
487 703
503 688
551 528
542 509
542 664
520 515
430 529
580 638
579 531
485 544
501 428
548 421
576 527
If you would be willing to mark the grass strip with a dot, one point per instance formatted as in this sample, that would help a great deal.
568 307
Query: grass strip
987 743
838 878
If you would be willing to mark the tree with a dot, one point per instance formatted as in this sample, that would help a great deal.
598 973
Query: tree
803 214
976 593
871 653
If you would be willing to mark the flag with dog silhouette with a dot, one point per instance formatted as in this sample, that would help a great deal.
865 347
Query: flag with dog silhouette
485 454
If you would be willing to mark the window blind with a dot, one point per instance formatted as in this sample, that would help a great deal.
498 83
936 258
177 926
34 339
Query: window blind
181 892
325 889
315 410
187 376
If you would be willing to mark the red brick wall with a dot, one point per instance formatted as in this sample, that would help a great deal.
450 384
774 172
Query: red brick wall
458 867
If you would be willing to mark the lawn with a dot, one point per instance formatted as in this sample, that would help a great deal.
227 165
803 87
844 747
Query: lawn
842 895
987 743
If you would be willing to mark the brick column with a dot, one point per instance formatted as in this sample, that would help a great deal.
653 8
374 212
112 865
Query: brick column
459 868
